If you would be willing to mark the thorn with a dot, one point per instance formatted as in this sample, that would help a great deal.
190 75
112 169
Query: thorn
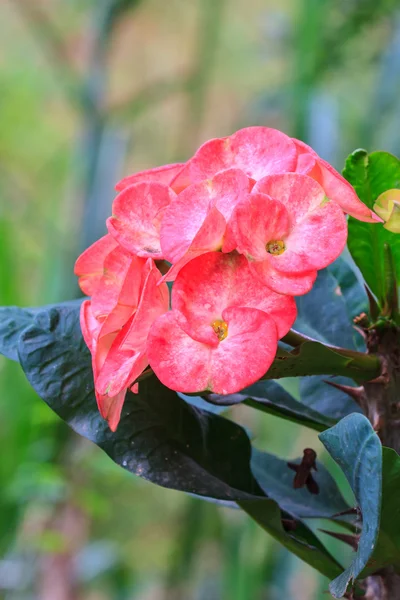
378 423
347 538
350 511
289 524
357 393
384 379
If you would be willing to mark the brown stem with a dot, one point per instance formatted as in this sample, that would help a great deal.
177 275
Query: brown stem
383 410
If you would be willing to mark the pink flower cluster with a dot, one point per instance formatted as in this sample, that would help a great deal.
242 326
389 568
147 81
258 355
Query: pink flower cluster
240 229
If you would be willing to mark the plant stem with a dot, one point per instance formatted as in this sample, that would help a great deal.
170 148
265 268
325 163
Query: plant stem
361 361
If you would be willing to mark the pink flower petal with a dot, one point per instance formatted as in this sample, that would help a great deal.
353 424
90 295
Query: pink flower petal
283 283
136 220
258 220
247 352
213 282
165 174
187 365
89 265
318 231
186 216
180 362
110 408
336 187
208 238
126 358
257 151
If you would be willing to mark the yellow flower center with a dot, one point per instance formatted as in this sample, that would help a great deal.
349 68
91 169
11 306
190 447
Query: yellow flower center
220 328
275 247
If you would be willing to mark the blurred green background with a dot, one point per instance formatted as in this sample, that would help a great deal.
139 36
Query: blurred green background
91 90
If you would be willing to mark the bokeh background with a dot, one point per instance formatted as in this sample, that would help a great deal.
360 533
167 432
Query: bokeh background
91 90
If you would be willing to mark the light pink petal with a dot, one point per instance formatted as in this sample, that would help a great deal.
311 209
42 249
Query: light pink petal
298 193
247 352
126 358
208 238
283 283
165 174
315 242
120 283
180 362
186 215
257 151
259 219
89 265
137 214
90 326
336 187
209 284
186 365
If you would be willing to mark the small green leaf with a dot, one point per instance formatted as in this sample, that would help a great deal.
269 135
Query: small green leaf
371 175
356 448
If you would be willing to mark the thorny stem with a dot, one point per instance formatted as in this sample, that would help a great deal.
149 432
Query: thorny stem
382 407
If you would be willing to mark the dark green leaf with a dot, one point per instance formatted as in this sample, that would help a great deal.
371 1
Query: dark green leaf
326 313
371 175
301 541
160 437
357 449
13 321
270 397
276 479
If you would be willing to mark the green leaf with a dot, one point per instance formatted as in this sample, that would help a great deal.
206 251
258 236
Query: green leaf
276 480
326 313
371 175
271 398
356 448
160 437
13 321
302 542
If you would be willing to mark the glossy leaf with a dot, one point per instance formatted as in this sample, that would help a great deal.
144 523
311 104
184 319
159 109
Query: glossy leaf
272 398
371 175
356 448
301 541
276 479
13 321
327 313
160 437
